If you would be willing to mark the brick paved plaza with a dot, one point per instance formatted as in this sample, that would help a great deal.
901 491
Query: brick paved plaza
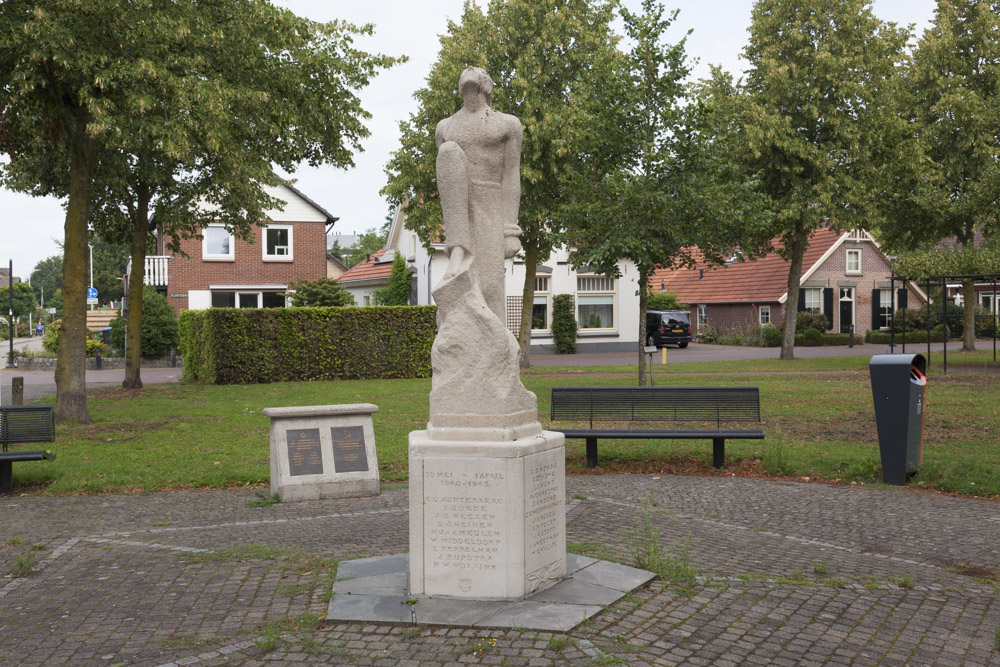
788 574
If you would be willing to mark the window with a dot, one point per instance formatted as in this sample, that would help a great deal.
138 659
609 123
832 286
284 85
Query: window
814 299
223 299
277 243
368 300
595 302
884 308
765 314
540 305
854 261
702 317
247 299
217 243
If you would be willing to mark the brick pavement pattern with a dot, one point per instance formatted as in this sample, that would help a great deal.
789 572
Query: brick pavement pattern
787 574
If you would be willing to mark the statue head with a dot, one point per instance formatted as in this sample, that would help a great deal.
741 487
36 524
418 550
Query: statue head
474 80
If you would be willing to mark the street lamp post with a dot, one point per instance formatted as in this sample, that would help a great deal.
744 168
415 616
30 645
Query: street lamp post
91 270
10 313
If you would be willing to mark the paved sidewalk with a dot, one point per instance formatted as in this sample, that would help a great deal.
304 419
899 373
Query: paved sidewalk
788 574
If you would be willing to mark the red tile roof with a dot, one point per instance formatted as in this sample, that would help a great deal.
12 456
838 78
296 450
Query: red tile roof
763 280
369 269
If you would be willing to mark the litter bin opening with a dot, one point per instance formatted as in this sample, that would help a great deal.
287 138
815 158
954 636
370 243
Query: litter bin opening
919 364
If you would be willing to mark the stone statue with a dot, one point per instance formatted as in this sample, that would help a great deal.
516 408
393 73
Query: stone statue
476 387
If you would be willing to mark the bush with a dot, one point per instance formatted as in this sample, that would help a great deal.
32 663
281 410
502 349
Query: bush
770 336
664 301
397 292
708 335
826 340
50 341
806 320
159 328
324 292
883 338
563 324
248 346
812 337
916 319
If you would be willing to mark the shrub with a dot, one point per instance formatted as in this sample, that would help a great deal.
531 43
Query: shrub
397 292
806 320
93 345
248 346
770 336
50 341
708 335
883 338
320 292
664 301
563 324
812 337
916 319
159 328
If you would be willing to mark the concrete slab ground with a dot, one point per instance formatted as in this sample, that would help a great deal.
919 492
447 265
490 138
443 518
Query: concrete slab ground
763 572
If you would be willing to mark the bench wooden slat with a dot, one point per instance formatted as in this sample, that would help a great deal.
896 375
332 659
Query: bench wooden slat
26 423
666 434
36 455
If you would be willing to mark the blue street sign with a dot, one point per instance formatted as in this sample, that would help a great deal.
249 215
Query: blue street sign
91 292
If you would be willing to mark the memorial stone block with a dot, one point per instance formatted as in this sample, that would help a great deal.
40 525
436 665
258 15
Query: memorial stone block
323 451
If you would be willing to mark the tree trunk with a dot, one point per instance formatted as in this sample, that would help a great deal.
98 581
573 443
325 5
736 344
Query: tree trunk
792 302
71 365
643 279
133 328
527 303
969 303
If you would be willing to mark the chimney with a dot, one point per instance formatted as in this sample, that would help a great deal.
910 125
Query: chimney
701 273
368 257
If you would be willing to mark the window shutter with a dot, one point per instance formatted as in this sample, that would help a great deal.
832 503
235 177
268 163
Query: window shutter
901 298
802 299
876 309
828 306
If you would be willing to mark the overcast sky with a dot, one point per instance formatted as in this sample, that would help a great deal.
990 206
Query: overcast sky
30 226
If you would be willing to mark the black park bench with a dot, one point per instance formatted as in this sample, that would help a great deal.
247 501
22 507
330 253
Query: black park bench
658 404
19 424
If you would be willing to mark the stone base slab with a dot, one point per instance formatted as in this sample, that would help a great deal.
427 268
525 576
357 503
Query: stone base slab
374 590
487 519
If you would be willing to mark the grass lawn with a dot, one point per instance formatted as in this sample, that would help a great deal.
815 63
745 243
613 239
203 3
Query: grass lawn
818 425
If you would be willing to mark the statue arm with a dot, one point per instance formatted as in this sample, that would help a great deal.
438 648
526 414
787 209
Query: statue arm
510 185
439 132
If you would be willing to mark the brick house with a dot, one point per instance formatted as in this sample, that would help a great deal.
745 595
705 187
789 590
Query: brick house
845 276
224 271
362 279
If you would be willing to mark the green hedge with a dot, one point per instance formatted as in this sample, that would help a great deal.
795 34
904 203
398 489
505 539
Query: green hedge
826 340
883 338
251 346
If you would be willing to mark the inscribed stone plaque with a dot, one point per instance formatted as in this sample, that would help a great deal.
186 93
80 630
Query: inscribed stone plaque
349 449
304 454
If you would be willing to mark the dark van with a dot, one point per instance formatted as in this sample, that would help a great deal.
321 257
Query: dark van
668 327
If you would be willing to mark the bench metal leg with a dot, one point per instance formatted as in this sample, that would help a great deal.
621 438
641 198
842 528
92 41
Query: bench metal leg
591 452
6 477
718 452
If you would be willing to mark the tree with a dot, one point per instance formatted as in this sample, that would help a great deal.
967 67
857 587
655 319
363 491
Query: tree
24 299
369 243
109 267
542 55
813 113
46 278
140 93
662 196
320 292
952 188
397 292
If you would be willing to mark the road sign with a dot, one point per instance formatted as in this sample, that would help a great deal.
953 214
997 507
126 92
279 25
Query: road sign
91 292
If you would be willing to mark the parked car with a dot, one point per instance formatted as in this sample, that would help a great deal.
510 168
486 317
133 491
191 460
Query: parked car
668 327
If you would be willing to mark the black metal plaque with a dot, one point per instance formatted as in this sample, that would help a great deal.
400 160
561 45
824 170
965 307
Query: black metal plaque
304 454
349 453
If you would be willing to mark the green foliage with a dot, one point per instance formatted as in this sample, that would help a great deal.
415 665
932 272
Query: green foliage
46 278
325 292
808 320
109 267
770 336
916 318
248 346
912 336
53 332
664 301
369 243
24 300
159 326
563 324
397 292
812 337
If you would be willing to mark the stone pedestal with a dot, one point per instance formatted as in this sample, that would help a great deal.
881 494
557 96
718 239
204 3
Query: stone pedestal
487 518
323 451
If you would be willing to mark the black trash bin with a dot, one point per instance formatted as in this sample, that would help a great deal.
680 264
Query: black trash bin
898 385
106 335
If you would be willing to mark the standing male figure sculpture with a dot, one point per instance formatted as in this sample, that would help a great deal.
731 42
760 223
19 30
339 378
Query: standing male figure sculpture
476 382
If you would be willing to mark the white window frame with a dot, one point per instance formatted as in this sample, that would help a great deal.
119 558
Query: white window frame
605 286
853 252
289 256
702 318
885 318
818 291
547 293
762 312
218 257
